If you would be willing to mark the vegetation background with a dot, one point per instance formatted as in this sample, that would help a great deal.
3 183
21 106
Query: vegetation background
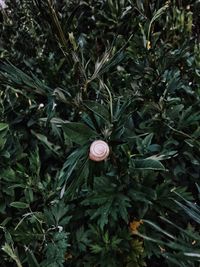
123 71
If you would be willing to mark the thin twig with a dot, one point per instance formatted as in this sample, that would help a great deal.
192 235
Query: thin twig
61 35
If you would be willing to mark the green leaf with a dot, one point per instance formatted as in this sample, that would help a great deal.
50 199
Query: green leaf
148 164
108 206
71 163
57 214
147 140
96 248
78 158
55 250
32 261
82 239
81 176
157 14
18 78
3 126
12 254
192 211
8 175
107 61
159 229
54 148
98 109
19 205
3 133
189 254
78 133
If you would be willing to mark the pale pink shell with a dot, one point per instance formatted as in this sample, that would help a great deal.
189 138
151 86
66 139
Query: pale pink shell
99 150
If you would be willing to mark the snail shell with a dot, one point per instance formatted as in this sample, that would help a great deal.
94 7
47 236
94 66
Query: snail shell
99 150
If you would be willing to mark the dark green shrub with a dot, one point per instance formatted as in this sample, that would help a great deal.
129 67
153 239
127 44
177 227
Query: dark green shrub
126 72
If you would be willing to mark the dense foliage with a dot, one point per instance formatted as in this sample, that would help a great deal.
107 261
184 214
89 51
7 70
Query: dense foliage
123 71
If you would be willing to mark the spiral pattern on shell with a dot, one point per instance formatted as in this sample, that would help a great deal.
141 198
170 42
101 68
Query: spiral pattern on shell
99 150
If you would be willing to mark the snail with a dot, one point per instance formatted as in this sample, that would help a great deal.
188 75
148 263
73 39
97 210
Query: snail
99 150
